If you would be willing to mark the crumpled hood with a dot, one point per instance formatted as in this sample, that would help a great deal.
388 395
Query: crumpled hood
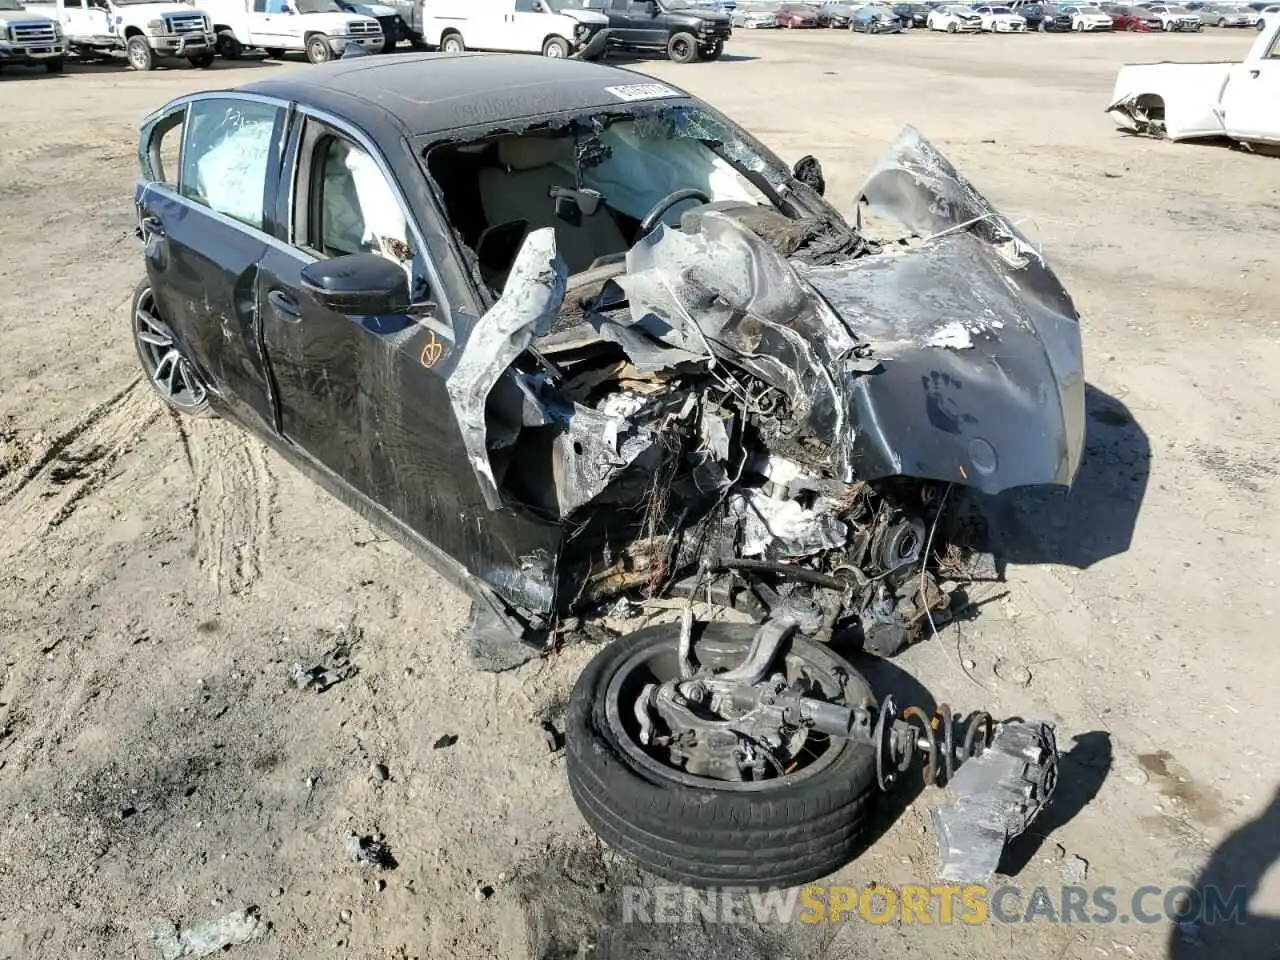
958 359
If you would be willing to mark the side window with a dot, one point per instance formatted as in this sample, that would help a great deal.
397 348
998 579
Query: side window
349 207
160 147
229 147
259 6
526 6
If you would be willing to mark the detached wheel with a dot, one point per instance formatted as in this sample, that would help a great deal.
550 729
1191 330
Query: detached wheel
797 824
318 49
139 53
712 51
682 48
228 46
170 373
202 61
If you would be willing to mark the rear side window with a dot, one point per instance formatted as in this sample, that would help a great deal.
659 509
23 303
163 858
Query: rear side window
229 148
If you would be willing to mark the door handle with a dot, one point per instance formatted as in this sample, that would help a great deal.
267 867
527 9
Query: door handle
151 227
1255 74
284 306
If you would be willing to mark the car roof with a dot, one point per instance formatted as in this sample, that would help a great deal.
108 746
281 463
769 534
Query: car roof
430 93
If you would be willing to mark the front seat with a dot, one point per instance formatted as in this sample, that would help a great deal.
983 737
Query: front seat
519 189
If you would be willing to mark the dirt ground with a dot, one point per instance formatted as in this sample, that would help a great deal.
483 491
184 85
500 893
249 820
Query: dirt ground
158 578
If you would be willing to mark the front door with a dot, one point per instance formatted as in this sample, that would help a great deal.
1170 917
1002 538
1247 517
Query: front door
1251 100
86 18
272 25
365 397
637 23
528 27
361 395
205 232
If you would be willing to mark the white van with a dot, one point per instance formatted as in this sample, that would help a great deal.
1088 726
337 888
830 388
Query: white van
552 28
319 28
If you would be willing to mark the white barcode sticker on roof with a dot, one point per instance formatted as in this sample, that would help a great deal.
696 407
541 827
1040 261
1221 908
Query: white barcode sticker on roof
642 91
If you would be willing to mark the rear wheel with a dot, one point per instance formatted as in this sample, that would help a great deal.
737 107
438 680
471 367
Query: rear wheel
557 48
800 822
228 46
170 373
318 49
202 61
139 53
452 43
682 48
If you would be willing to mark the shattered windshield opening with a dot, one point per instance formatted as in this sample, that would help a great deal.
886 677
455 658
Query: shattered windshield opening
595 179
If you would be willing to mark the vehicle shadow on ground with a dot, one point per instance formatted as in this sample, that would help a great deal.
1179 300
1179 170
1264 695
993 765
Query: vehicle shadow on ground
1081 773
122 66
1096 518
622 59
1232 875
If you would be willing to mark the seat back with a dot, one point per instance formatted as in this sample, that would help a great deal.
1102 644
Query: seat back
520 189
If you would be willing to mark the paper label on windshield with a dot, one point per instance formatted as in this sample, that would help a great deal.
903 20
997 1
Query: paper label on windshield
642 91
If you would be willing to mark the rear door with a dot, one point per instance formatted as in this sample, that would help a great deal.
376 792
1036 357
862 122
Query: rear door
1251 100
205 230
363 396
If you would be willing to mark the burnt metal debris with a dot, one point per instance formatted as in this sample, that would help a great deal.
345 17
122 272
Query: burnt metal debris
771 410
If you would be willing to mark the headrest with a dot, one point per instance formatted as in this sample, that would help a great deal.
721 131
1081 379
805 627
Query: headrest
527 153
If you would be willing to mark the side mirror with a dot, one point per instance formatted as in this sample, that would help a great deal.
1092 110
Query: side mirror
358 285
808 170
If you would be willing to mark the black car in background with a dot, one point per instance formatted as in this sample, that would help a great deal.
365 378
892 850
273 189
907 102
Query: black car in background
684 33
1045 17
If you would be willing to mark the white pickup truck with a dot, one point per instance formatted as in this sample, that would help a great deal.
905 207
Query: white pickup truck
319 28
30 39
141 29
1187 101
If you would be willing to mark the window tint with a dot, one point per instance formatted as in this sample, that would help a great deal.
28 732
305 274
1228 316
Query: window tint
525 6
226 154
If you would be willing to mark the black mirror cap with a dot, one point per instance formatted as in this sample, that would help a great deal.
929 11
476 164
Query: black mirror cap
808 170
358 285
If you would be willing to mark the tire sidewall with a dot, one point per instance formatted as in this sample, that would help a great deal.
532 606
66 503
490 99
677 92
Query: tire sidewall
201 409
318 49
682 48
453 44
589 726
557 43
139 53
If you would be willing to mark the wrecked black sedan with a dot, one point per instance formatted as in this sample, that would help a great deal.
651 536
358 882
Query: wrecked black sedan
588 347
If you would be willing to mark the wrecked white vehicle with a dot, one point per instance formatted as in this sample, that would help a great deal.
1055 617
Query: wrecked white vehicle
587 346
1189 101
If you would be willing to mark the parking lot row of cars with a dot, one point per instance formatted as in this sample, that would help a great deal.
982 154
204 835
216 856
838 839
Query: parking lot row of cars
45 33
1015 16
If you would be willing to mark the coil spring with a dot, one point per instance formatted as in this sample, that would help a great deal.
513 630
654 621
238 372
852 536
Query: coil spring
936 736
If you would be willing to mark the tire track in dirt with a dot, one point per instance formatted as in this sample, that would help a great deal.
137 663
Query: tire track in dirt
233 504
70 468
